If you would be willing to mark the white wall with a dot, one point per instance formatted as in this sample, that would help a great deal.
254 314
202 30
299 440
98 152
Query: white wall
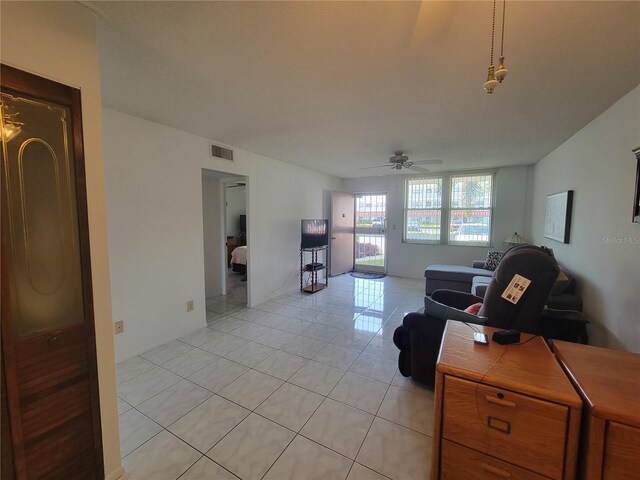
154 197
213 231
57 40
236 205
410 259
604 251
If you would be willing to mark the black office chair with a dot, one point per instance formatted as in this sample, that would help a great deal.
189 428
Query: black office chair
420 334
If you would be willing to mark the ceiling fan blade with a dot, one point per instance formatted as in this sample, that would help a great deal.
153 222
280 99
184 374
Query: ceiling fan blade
377 166
435 161
418 169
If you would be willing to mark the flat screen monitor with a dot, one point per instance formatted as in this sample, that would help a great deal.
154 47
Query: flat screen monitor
243 223
315 233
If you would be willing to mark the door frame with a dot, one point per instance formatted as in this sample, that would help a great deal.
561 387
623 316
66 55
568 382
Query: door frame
224 178
224 181
370 231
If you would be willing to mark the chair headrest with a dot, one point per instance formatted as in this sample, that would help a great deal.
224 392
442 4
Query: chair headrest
537 265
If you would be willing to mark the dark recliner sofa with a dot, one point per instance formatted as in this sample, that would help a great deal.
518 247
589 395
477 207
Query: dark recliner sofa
476 279
420 334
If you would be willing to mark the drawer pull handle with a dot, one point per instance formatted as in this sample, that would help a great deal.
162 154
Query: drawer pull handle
53 340
499 424
496 471
502 403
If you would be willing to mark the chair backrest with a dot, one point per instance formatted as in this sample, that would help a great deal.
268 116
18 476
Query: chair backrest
536 264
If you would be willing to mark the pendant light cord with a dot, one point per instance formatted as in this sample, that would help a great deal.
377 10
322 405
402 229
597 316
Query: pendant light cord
504 7
493 29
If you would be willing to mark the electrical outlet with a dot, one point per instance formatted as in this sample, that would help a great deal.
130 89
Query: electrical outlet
190 306
118 327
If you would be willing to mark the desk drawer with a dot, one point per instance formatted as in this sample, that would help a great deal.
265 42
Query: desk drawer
462 463
516 428
622 452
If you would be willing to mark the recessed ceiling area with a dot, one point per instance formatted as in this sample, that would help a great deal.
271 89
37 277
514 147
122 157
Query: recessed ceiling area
339 86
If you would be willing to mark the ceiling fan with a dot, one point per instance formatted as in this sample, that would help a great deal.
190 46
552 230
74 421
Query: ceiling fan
399 160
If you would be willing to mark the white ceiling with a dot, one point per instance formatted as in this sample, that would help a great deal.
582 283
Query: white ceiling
338 86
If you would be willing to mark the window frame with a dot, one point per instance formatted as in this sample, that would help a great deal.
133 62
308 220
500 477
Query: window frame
405 209
445 209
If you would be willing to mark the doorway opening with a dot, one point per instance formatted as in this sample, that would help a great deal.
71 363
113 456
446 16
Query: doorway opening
225 230
370 233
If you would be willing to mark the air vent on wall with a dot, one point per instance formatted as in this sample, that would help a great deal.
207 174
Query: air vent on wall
221 152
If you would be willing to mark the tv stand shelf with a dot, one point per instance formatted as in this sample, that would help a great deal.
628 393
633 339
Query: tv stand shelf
313 268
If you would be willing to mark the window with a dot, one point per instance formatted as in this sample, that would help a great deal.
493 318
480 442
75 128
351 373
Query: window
423 212
453 209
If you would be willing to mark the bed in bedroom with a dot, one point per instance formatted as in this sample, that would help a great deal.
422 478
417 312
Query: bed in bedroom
239 259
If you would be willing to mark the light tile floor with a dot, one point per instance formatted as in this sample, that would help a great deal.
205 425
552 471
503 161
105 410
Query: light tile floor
300 387
220 306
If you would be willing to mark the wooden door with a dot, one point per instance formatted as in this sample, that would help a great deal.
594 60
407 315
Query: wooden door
48 339
342 210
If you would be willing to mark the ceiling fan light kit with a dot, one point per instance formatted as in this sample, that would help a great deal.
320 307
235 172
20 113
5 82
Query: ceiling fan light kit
494 77
502 71
491 82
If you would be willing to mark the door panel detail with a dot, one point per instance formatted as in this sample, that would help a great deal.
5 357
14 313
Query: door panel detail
48 337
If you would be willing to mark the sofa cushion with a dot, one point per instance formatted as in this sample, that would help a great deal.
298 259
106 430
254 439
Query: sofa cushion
563 284
479 285
451 277
456 273
493 259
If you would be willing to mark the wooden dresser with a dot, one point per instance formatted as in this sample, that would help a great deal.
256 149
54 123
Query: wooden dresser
609 383
502 411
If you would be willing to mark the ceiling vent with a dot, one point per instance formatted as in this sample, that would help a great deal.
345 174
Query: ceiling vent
221 152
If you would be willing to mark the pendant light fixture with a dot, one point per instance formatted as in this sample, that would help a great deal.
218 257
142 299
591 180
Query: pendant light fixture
494 77
502 71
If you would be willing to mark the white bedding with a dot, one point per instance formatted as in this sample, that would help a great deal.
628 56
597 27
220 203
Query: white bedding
239 255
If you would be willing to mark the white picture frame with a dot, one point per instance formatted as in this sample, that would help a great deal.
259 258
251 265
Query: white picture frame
557 222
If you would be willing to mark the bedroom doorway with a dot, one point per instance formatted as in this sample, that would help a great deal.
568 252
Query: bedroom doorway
235 191
224 210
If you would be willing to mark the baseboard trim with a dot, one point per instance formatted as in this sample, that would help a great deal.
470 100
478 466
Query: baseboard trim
116 474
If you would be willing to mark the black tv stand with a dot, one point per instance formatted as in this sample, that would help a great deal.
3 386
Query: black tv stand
313 268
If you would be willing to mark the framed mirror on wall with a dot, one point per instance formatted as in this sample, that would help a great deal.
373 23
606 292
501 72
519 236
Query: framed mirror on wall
636 197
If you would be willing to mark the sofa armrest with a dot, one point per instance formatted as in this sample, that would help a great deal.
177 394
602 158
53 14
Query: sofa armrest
454 298
478 264
442 312
565 301
567 325
564 315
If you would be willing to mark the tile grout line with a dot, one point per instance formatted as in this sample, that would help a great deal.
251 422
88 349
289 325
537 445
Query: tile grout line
327 342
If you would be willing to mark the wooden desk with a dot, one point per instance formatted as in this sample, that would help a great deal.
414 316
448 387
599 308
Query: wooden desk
502 411
609 383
